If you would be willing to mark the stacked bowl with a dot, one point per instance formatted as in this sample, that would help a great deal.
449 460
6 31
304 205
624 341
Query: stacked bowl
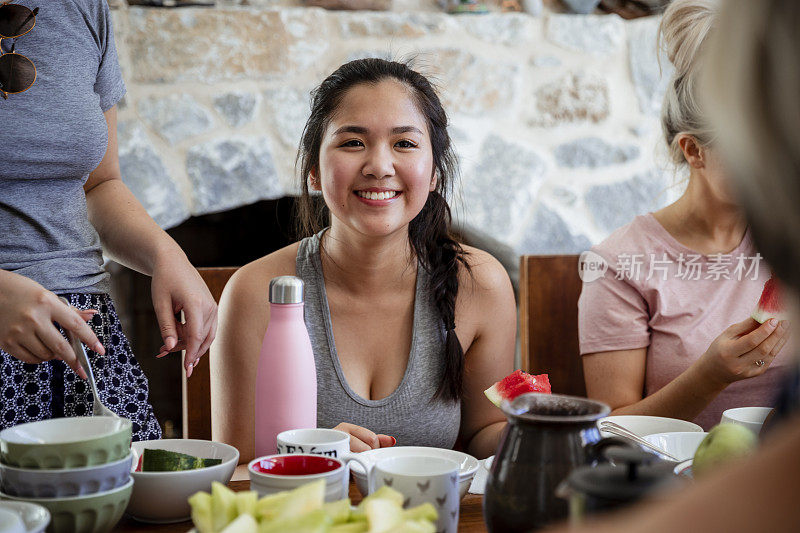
79 469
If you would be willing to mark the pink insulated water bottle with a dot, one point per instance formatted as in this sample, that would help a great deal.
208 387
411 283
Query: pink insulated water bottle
286 381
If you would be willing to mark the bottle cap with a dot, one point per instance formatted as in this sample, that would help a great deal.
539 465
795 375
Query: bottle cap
286 290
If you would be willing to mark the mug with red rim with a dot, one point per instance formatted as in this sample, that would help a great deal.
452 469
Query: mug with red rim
276 473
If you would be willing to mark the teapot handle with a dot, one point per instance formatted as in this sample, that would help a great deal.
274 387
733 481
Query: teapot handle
595 452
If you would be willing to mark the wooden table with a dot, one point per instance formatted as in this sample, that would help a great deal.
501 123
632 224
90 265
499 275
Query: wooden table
470 519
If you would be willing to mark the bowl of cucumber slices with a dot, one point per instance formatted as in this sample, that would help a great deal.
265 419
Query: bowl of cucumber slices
167 472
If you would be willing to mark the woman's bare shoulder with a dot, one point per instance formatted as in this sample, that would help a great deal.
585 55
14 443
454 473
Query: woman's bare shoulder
251 280
485 273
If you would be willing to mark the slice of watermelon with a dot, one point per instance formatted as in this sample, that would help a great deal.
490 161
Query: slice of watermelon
515 384
770 305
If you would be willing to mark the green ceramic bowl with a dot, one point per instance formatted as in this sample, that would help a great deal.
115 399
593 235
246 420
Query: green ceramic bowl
66 442
92 513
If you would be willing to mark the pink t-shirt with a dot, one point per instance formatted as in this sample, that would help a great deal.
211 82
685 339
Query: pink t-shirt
662 295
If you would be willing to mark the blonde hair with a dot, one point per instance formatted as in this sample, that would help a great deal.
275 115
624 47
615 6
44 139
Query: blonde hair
753 87
682 34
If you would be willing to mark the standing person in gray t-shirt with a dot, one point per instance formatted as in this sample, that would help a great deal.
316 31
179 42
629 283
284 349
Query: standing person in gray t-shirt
62 202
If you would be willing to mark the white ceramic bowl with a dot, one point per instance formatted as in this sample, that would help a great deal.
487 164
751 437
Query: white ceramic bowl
162 497
647 425
66 442
681 444
750 417
90 513
34 518
38 483
468 465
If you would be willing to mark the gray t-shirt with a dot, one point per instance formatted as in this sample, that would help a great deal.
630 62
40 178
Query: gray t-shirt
51 137
410 414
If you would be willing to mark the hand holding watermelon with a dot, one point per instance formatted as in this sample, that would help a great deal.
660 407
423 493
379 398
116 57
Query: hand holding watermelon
515 384
744 350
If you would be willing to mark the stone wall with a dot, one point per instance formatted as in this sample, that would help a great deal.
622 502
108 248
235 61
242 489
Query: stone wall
555 117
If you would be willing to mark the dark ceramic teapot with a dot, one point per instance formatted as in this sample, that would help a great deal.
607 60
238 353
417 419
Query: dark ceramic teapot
547 437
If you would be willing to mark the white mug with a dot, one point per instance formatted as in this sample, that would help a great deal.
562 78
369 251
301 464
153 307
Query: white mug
327 442
421 479
750 417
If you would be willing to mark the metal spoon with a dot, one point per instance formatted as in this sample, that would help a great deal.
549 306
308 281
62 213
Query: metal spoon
620 431
98 409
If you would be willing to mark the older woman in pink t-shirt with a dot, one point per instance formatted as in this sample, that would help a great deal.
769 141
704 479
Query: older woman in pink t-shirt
666 331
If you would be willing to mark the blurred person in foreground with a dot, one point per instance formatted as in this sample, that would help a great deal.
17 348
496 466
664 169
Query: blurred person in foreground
752 89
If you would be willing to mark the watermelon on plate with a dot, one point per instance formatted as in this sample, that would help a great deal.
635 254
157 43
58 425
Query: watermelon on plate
770 305
515 384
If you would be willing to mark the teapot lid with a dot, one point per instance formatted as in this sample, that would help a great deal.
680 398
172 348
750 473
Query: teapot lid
554 409
633 474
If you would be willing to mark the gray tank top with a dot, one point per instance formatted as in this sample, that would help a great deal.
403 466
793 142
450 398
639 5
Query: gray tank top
409 413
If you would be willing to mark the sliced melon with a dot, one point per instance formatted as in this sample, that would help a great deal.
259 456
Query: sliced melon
515 384
246 502
350 527
311 522
770 305
414 526
303 500
223 505
386 493
270 506
339 511
200 503
383 515
426 511
244 523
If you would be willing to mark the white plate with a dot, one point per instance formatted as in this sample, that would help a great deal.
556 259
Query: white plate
647 425
34 517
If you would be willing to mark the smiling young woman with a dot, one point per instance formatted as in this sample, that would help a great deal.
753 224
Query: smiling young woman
408 326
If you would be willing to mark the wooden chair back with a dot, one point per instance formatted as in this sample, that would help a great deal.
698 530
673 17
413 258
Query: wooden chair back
549 287
196 391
